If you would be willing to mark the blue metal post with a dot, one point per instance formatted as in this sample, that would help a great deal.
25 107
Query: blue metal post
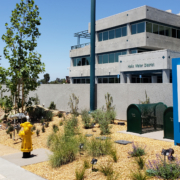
92 66
78 40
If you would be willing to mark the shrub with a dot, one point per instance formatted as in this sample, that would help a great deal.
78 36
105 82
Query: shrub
138 176
34 127
86 164
96 147
10 135
52 106
60 114
114 176
47 124
104 124
43 129
80 174
0 121
51 139
111 116
113 154
64 150
137 150
86 119
109 101
73 103
60 123
106 169
140 162
42 121
55 128
37 132
49 116
97 115
71 126
163 169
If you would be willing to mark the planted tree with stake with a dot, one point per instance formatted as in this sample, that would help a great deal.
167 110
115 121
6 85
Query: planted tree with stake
21 41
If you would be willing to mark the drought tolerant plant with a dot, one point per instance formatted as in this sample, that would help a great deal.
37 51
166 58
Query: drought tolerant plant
140 162
111 115
97 115
33 128
37 132
86 119
73 103
86 164
42 121
147 101
113 154
109 101
106 168
55 128
47 124
96 147
80 174
49 116
71 126
137 150
60 114
163 169
65 150
113 176
52 106
60 123
138 175
43 129
51 139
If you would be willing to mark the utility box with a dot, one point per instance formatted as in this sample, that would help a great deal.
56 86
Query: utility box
168 123
142 118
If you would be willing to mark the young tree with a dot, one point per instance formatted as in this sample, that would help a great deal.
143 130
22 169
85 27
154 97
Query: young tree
46 77
21 40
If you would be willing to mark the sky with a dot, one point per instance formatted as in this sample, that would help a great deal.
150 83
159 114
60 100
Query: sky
62 18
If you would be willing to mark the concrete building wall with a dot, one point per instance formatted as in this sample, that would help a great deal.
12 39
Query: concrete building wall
123 95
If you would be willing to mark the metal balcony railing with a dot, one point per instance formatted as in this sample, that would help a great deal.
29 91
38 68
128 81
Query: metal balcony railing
79 46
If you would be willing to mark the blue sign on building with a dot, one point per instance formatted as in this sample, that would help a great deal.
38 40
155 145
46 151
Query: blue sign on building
176 99
118 76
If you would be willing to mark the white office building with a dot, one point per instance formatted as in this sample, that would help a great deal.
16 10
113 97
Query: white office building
135 46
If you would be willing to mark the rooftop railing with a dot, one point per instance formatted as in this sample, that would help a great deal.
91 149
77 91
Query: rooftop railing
79 46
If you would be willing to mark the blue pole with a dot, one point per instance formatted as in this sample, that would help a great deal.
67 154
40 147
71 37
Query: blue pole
92 66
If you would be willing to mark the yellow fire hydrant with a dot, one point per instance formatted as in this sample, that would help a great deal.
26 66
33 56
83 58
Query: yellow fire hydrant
26 146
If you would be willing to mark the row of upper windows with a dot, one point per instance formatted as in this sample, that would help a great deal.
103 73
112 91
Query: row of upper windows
83 61
139 28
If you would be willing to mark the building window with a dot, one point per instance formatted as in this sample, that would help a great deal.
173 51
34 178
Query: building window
113 33
148 27
105 36
105 58
100 59
178 34
161 30
117 55
133 29
81 80
133 51
83 61
110 80
138 28
111 58
100 37
155 29
167 31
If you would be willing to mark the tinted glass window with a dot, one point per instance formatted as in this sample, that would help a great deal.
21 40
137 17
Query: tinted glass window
78 81
161 30
167 31
174 33
105 80
83 61
178 34
87 81
105 58
124 52
99 80
118 32
78 61
155 28
133 29
140 27
105 35
124 31
117 80
133 51
111 80
83 81
148 27
100 36
100 61
75 81
74 62
117 55
111 58
111 34
88 59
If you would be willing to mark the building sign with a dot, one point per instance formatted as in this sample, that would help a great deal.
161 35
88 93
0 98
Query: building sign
141 65
176 99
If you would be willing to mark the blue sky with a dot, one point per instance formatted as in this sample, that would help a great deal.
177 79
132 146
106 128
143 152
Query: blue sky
62 18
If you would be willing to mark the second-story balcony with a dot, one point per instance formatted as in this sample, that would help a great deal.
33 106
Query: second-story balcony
79 46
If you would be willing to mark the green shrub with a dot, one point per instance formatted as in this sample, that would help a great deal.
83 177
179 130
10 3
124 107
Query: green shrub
71 126
137 150
97 115
65 150
86 164
43 129
52 106
34 127
42 121
140 162
113 176
111 116
109 101
96 147
106 169
60 114
113 154
138 176
10 135
86 119
60 123
73 104
51 139
0 121
47 124
37 132
49 116
80 174
55 128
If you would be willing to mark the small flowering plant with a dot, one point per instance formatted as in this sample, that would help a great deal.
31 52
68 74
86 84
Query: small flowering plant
137 150
163 169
